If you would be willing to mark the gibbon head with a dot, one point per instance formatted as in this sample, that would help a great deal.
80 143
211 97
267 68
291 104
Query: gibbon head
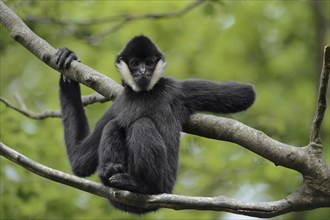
140 64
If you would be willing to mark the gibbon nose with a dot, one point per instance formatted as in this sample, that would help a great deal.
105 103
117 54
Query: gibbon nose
142 69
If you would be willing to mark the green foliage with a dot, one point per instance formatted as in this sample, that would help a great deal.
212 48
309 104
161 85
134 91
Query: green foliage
271 44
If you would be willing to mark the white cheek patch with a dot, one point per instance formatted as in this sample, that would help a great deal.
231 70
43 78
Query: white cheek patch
126 75
157 74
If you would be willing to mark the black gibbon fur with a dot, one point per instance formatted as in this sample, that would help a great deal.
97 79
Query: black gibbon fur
134 145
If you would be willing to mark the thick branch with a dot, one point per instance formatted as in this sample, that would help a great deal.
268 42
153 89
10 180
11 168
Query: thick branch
41 49
294 202
315 135
231 130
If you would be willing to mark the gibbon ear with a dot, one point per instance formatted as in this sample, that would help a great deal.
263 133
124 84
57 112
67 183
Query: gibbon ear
157 74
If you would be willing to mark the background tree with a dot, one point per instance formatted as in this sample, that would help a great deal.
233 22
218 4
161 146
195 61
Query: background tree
269 44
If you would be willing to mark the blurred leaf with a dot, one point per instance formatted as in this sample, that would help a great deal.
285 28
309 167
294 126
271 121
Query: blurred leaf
209 9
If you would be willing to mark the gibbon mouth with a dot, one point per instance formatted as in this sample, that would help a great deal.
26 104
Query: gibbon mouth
142 76
142 81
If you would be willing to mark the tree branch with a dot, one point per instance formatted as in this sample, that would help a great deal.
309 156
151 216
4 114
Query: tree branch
121 20
41 49
28 113
125 19
20 101
115 18
294 202
86 100
315 135
226 129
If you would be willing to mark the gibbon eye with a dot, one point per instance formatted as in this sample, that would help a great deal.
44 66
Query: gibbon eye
150 63
133 63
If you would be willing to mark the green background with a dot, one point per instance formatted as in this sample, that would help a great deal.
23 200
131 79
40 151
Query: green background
274 45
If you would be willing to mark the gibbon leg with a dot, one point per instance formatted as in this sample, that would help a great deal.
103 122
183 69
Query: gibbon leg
146 159
112 152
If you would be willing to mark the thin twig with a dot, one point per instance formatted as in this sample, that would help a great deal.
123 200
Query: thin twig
27 113
94 98
125 19
87 100
315 136
121 19
20 101
115 18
